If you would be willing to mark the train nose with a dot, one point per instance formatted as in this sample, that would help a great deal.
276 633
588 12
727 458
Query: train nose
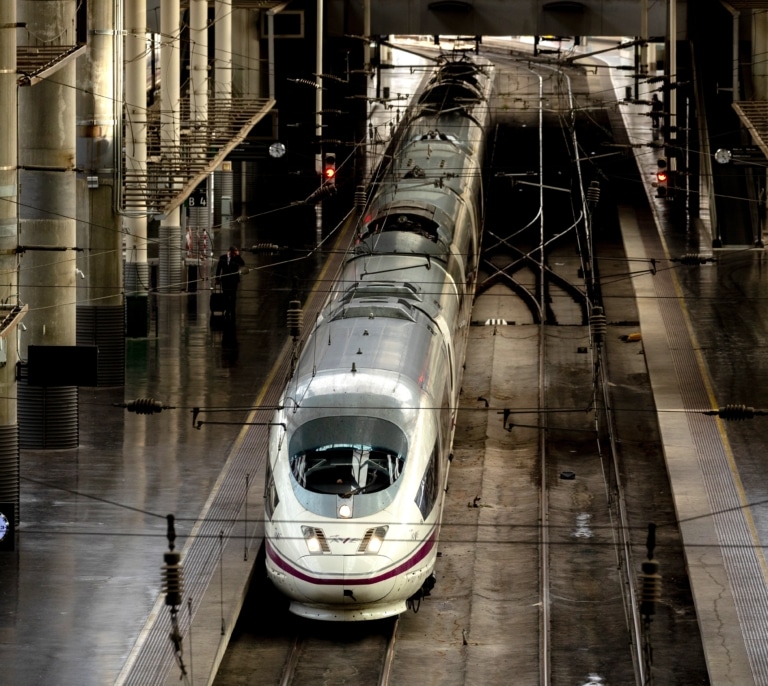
364 578
364 594
352 579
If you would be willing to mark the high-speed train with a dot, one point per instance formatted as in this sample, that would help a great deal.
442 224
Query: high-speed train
360 447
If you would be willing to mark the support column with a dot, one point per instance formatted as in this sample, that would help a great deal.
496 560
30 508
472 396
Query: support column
137 284
760 84
100 306
47 122
759 43
171 234
246 79
223 95
199 208
198 64
9 430
246 52
223 53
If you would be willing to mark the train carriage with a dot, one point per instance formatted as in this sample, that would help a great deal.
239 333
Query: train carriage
359 451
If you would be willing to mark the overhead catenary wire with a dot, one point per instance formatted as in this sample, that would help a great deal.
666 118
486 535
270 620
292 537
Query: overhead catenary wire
161 531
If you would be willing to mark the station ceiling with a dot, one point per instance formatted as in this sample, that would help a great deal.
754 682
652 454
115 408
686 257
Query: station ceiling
502 17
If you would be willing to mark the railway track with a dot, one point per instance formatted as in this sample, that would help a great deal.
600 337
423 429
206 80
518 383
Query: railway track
545 258
341 654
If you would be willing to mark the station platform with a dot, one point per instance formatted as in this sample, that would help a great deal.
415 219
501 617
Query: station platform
81 600
719 515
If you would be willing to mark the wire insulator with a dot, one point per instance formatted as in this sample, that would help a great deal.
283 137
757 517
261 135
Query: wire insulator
307 82
593 193
326 190
145 406
295 318
360 197
692 258
173 583
265 248
650 587
736 412
599 324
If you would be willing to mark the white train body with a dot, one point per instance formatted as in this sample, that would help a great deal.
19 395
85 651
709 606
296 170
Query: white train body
359 453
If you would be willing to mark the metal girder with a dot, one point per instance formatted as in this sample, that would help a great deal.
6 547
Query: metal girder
246 4
171 175
497 18
36 62
748 4
754 116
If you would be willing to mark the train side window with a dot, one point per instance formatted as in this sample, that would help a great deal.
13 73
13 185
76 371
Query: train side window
427 494
271 498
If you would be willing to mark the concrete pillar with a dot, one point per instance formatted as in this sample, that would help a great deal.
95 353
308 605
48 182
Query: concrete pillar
136 269
198 64
223 54
223 93
759 46
47 123
171 235
9 433
100 306
198 111
246 53
246 79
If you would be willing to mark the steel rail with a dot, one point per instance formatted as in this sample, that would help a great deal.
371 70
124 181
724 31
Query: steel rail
389 655
545 616
624 551
302 642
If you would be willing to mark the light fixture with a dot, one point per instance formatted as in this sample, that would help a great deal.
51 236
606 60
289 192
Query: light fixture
723 156
315 540
373 540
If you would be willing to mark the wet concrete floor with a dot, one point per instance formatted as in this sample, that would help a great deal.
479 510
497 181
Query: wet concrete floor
93 528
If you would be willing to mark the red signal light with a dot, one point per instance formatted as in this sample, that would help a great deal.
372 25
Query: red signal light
329 168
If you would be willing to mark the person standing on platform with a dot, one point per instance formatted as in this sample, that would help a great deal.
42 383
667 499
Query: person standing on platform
656 110
228 277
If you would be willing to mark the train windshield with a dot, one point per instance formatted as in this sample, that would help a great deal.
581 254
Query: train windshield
347 455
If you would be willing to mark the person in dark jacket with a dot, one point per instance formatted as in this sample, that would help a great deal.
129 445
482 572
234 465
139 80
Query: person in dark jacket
657 108
228 277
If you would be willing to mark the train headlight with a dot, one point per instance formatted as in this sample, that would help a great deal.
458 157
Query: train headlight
345 511
374 539
315 540
375 544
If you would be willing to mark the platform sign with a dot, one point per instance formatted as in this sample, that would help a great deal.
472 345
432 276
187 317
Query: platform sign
199 197
747 152
62 365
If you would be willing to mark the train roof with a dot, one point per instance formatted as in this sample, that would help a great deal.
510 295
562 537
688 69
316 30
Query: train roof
370 334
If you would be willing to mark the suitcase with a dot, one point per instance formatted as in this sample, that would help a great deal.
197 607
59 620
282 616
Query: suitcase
218 303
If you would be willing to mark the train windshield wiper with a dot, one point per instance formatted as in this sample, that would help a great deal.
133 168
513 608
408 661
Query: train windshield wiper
374 482
354 491
315 467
